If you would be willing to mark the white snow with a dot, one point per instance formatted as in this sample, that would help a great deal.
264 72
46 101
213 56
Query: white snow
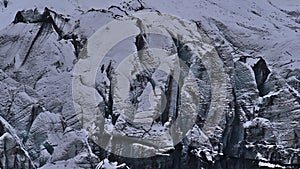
247 124
274 30
269 165
106 164
258 121
260 21
68 7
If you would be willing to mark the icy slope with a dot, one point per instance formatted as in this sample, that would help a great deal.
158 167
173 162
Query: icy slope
267 28
257 42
